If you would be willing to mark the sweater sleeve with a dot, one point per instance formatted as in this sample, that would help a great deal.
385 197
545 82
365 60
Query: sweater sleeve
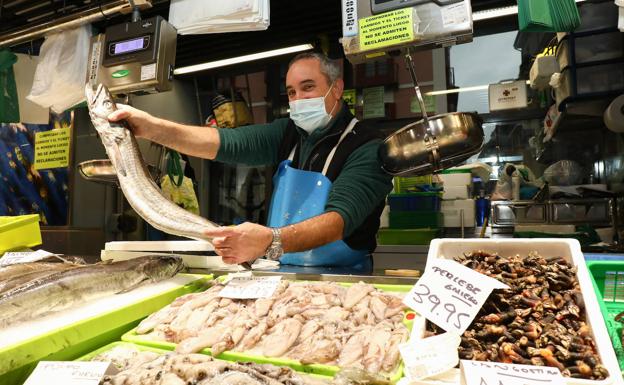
360 187
254 145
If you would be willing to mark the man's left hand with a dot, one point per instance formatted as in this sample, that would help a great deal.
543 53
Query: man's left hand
242 243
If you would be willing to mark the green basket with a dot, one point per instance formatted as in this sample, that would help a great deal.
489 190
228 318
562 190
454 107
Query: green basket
318 369
414 219
608 280
19 232
405 184
406 236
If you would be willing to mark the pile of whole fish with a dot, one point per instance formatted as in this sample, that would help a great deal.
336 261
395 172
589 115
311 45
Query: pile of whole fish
540 320
322 323
35 289
134 179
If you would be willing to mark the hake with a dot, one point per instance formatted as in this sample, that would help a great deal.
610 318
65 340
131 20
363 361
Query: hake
139 189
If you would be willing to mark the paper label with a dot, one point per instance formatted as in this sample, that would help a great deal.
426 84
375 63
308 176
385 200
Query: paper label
386 29
350 98
491 373
373 100
70 373
454 14
450 294
430 104
52 148
13 257
430 356
148 72
250 287
349 18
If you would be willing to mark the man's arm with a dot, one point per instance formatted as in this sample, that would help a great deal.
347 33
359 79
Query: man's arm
249 241
203 142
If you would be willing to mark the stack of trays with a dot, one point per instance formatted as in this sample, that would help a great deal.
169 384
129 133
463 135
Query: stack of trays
414 219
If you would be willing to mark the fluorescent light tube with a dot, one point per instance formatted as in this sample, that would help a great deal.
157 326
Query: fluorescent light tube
499 12
242 59
462 89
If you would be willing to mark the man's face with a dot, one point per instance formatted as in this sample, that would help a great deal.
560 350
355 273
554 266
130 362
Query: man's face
305 80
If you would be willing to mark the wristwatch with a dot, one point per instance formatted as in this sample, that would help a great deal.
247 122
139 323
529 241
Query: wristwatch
275 250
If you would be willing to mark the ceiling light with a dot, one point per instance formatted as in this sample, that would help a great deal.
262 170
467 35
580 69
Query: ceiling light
242 59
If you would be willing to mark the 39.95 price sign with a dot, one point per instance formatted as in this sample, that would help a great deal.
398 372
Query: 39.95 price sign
450 294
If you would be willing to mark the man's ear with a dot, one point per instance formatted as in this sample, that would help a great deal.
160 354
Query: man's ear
338 88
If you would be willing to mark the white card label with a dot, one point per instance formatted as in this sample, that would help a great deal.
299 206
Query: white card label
11 258
450 294
148 72
70 373
430 356
349 18
492 373
250 287
454 14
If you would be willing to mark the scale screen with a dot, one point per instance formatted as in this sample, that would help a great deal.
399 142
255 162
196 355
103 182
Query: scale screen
128 46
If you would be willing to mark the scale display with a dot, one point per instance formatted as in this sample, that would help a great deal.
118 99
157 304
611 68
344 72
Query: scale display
128 46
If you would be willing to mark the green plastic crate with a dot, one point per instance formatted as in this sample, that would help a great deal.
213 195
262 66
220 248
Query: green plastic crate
608 280
414 219
318 369
406 236
19 232
18 360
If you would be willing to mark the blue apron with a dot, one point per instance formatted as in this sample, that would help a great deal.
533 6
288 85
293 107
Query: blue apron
299 195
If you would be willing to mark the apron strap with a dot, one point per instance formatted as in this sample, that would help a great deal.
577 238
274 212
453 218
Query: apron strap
292 153
333 151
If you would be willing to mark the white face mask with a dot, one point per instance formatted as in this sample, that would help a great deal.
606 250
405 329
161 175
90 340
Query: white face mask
310 114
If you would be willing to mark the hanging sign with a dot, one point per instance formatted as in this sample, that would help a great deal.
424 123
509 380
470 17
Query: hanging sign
450 295
386 29
52 148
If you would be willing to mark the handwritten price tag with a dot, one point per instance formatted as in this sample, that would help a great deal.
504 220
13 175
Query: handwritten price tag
450 294
491 373
250 287
13 257
430 356
70 373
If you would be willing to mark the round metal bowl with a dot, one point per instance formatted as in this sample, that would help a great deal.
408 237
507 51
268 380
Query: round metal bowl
458 136
102 171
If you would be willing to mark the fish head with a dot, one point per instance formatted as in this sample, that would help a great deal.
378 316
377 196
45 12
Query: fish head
101 104
162 267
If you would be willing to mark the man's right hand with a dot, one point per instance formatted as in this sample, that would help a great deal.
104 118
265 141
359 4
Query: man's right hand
140 122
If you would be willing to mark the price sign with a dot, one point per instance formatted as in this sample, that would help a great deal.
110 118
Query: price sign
11 257
450 294
430 356
493 373
70 373
250 287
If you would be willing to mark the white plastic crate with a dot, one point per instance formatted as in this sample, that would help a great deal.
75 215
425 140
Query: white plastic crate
568 248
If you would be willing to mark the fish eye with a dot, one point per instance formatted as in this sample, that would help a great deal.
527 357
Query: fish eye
108 104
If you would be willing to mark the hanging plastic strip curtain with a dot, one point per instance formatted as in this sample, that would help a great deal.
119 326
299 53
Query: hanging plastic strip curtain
200 16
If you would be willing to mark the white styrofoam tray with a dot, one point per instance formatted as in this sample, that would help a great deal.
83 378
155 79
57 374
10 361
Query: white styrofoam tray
568 248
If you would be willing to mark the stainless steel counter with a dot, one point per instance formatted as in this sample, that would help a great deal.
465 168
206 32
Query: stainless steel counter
305 273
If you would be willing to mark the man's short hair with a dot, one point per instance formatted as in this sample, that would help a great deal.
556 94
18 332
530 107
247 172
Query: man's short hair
328 67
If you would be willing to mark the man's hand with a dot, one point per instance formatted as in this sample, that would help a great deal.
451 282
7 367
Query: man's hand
242 243
141 123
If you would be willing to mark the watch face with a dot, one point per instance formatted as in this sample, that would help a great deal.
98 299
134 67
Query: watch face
274 253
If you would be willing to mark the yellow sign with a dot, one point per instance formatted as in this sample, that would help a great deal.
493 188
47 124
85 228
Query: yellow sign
349 98
387 29
52 149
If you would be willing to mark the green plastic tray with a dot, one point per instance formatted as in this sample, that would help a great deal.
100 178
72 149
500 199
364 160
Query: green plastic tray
74 340
143 348
319 369
406 236
414 219
608 280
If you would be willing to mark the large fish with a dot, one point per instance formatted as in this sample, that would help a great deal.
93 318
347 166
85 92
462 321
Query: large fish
64 289
139 189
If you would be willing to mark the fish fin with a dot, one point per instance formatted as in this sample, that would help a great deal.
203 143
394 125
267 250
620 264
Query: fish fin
130 288
118 162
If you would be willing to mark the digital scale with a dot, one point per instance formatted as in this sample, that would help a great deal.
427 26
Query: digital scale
373 29
134 57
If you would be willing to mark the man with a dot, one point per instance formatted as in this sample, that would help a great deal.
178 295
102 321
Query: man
329 189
